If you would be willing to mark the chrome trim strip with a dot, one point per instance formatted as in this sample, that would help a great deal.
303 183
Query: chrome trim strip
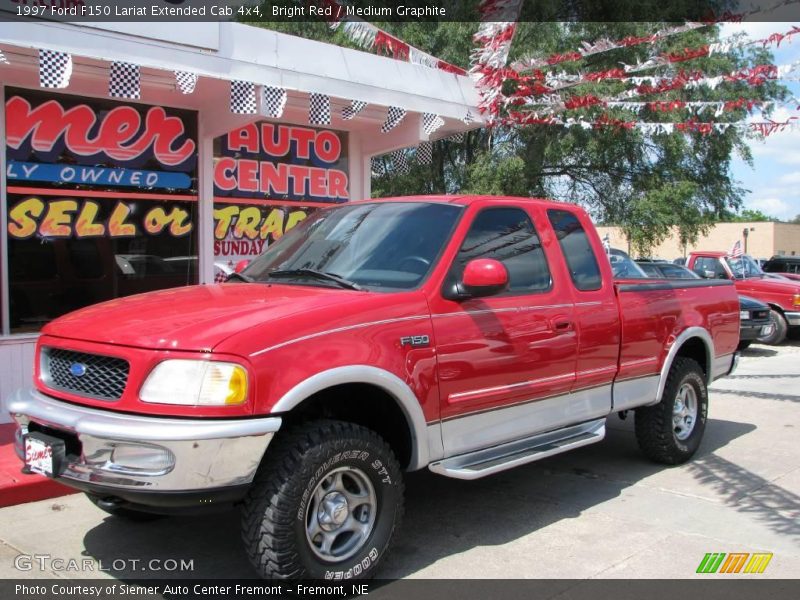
513 309
641 361
793 318
722 365
609 369
685 335
389 382
462 396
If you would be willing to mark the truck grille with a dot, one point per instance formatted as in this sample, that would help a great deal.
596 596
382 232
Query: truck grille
85 374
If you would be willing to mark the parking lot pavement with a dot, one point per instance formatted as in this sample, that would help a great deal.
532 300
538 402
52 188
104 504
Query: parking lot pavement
601 511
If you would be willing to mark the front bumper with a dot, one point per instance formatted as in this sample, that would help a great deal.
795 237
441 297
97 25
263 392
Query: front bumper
115 452
793 318
751 330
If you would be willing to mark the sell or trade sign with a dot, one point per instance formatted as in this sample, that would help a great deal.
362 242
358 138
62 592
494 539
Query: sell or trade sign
274 161
70 142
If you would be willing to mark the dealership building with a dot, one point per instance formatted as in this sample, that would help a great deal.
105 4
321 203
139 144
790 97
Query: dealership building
141 156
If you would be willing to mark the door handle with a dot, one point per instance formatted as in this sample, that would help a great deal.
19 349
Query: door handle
562 326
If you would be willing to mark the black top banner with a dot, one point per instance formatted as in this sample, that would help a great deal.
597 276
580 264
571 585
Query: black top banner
88 11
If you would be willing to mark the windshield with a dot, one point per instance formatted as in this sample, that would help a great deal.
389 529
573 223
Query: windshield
381 246
623 267
743 267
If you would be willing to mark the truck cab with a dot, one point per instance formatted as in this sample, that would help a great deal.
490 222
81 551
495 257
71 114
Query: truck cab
781 295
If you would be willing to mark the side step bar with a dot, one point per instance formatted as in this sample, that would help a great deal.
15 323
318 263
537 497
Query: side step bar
481 463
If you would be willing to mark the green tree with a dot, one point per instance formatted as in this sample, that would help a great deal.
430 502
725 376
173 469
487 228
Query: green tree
749 215
647 185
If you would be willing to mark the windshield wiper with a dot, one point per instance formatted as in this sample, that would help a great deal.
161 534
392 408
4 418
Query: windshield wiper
345 283
245 278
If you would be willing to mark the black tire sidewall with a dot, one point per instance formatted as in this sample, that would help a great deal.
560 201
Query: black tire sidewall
385 476
781 329
686 448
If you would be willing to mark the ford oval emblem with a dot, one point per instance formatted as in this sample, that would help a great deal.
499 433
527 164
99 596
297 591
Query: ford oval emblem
77 369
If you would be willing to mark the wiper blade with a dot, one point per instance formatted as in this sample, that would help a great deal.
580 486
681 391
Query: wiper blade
245 278
345 283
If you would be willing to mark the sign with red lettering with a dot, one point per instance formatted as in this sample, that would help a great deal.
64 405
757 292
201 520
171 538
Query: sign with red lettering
286 162
72 142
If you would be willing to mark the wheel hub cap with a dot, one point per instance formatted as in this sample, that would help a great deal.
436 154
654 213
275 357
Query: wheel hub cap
333 511
684 412
341 514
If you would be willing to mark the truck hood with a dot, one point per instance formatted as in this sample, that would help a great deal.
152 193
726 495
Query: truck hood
768 285
195 318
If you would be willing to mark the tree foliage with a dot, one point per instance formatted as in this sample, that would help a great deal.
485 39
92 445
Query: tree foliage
646 185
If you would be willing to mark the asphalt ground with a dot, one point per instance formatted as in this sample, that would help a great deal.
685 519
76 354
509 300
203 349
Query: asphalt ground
602 511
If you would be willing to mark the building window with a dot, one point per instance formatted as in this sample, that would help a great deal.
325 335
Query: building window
101 202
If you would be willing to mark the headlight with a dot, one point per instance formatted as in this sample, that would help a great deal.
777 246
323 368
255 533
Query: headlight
196 383
744 315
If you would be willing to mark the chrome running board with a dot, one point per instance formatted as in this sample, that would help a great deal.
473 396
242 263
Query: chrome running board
487 461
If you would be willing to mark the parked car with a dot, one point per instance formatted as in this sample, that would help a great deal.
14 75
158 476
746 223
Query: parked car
782 296
754 321
754 318
623 266
462 334
788 266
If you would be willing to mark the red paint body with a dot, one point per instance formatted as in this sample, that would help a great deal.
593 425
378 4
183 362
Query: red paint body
769 290
528 346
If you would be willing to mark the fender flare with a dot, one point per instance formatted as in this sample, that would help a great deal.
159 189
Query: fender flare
388 382
686 335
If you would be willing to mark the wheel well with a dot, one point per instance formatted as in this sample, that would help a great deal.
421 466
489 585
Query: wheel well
361 403
695 348
775 307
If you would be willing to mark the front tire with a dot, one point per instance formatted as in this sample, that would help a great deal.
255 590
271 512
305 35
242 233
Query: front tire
324 504
671 431
779 332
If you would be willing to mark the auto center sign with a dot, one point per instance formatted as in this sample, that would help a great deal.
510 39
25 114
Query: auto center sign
261 166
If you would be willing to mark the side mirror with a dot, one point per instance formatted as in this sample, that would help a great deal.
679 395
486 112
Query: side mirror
482 277
241 266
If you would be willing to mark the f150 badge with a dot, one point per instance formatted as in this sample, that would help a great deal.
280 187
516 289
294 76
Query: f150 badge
415 341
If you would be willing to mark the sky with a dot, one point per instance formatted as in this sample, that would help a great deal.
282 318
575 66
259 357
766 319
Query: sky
774 179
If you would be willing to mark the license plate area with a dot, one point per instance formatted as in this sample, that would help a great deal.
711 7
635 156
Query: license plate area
44 454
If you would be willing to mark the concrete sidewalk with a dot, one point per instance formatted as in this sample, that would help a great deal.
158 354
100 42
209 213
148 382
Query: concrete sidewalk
602 511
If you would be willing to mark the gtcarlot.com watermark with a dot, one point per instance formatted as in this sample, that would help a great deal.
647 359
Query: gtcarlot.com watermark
48 562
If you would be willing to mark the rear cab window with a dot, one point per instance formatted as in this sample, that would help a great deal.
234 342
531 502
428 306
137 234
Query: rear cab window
581 259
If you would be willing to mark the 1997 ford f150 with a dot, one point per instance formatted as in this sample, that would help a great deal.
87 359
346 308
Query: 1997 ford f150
463 334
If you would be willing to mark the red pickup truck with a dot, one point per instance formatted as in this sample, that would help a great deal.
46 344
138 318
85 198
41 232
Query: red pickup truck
782 295
463 334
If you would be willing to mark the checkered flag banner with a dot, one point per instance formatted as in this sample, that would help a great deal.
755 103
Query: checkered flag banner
356 106
274 101
243 97
400 161
425 153
393 118
3 58
185 81
431 122
55 69
457 138
319 109
377 166
123 81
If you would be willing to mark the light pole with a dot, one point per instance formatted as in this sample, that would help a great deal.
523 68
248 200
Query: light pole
745 233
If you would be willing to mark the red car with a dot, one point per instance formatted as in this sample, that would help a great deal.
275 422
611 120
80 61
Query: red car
462 334
782 295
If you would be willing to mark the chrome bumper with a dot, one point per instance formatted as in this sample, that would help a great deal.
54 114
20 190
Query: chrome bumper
793 318
147 454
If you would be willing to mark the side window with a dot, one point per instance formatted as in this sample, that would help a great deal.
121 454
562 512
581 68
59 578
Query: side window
705 264
507 235
575 245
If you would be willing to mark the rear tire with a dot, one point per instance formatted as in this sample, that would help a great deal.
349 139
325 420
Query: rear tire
779 332
671 431
324 504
